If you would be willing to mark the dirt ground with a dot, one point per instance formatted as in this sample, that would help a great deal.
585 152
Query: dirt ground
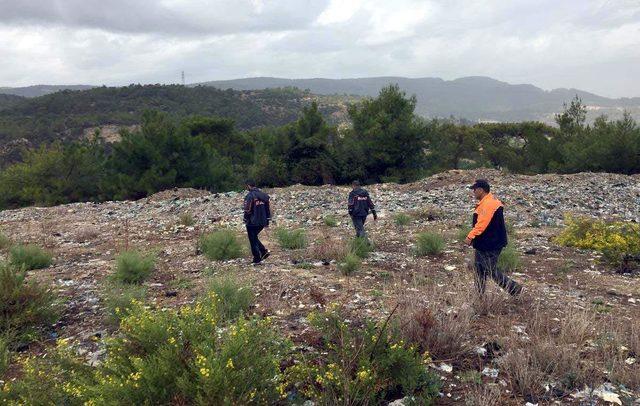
85 238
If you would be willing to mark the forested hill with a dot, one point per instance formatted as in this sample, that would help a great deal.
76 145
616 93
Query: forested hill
9 100
474 98
65 115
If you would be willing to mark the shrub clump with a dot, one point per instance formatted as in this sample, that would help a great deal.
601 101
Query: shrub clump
429 243
119 300
185 356
186 219
360 247
291 239
614 240
509 259
363 365
350 264
220 245
234 298
24 306
330 221
133 267
29 257
5 242
402 219
5 354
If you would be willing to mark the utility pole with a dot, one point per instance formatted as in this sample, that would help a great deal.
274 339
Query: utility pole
182 78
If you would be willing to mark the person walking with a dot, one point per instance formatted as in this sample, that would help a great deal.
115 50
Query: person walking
257 214
359 205
488 237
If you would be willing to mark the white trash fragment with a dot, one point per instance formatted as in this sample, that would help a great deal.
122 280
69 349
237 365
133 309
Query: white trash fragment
604 392
446 368
481 351
490 372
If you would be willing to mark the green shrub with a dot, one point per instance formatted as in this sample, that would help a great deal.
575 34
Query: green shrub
119 300
186 219
402 219
429 243
5 354
291 239
5 242
234 298
509 259
462 233
24 306
613 239
330 220
29 257
184 356
364 364
351 264
133 267
220 245
361 247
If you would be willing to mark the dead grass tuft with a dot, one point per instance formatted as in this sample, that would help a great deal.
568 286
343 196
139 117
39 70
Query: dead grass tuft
86 234
436 325
485 395
328 249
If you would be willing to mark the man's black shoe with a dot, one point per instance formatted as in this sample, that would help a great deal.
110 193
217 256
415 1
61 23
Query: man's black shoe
265 255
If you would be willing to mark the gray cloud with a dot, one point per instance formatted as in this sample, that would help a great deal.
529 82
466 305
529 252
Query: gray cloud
592 45
172 17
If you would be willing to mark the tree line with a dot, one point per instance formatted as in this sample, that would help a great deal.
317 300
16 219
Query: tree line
386 142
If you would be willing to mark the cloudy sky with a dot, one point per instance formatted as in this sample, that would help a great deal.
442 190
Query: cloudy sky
592 45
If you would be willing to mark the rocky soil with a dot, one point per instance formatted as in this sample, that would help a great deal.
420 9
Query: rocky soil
85 238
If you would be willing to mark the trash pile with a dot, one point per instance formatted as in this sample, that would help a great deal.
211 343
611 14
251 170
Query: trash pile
85 237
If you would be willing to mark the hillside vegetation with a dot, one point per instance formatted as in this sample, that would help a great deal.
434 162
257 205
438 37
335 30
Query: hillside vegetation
62 116
9 100
385 142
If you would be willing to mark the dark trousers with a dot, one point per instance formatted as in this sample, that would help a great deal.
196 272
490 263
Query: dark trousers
486 264
358 224
257 249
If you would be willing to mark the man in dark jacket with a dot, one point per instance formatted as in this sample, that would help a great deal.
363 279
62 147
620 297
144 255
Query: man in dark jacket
359 205
489 237
257 215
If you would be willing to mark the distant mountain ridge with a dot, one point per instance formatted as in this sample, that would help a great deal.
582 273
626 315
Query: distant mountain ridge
41 90
474 98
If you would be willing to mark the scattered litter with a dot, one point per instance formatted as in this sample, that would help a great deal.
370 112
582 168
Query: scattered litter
490 372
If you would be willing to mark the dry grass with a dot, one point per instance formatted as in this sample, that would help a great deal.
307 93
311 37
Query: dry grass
525 378
426 213
327 249
437 325
485 395
86 233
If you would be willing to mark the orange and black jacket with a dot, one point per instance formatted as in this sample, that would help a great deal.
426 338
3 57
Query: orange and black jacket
489 232
257 211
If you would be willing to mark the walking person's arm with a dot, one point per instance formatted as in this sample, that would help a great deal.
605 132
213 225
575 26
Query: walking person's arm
248 207
484 218
351 202
267 207
372 207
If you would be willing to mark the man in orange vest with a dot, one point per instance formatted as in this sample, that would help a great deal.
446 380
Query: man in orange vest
489 237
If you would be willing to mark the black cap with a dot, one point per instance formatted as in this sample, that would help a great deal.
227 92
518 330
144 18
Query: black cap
481 183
